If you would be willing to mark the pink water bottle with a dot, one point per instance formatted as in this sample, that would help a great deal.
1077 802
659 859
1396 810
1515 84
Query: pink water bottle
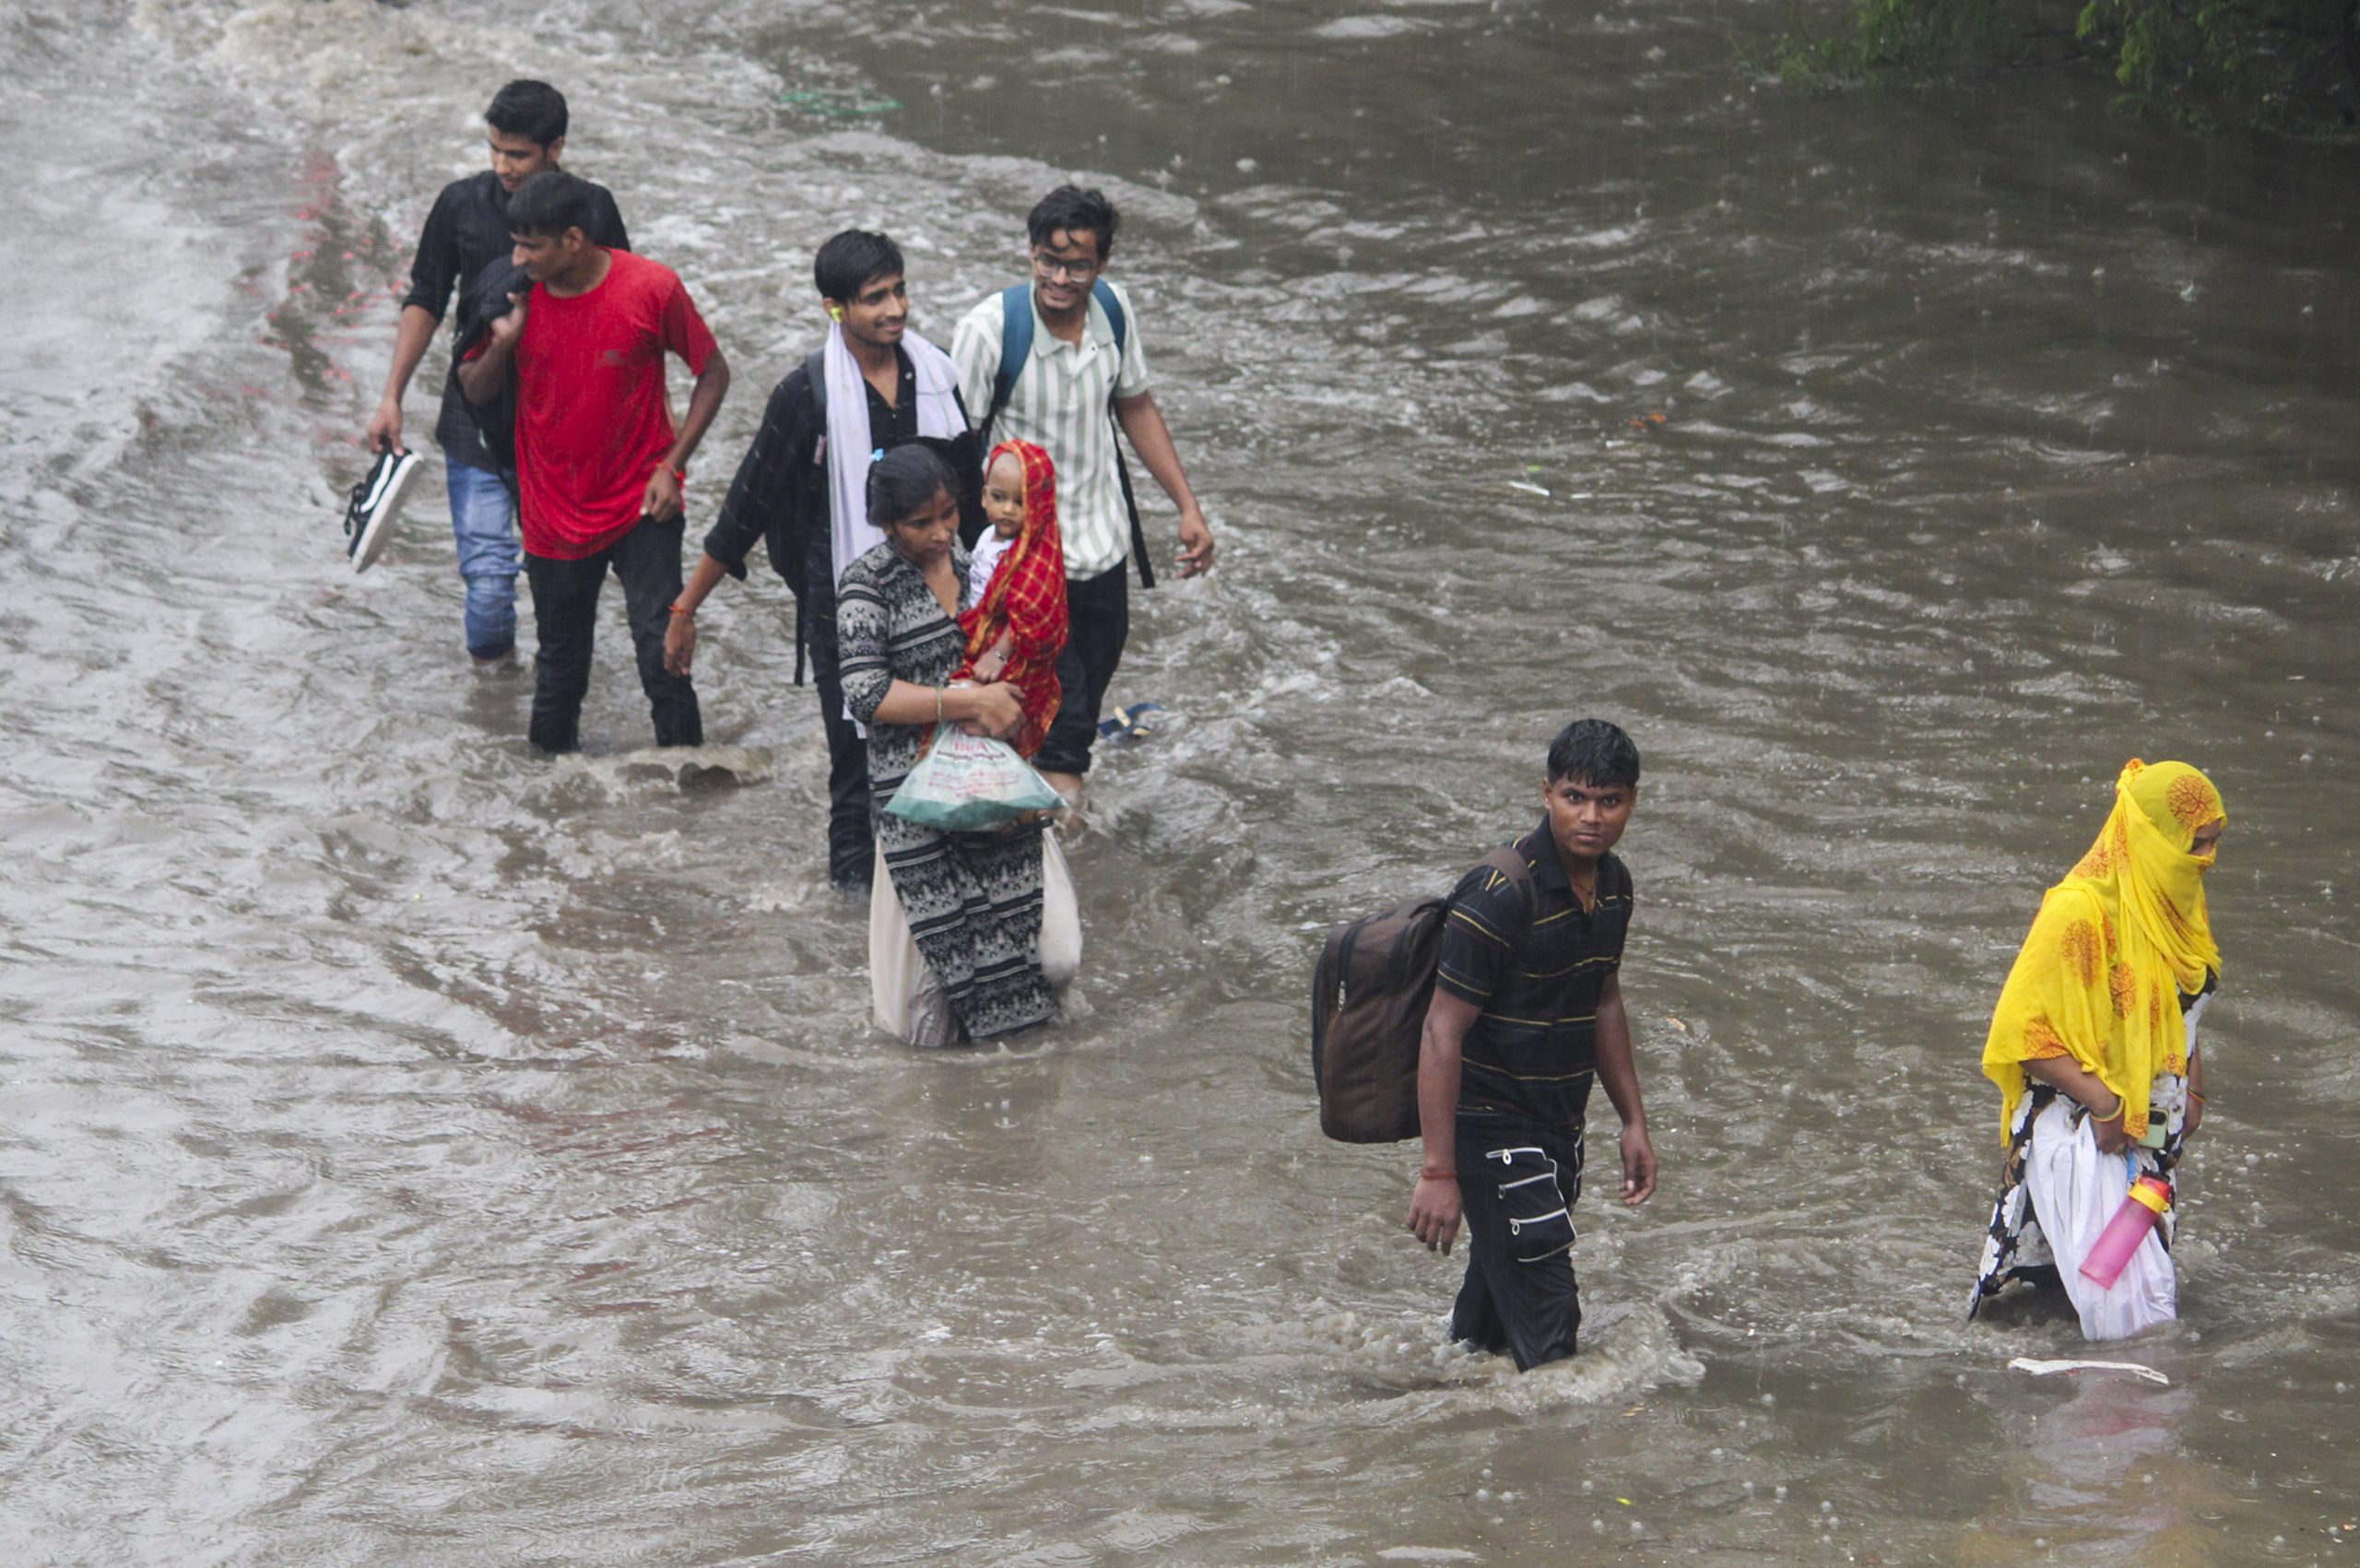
2148 1197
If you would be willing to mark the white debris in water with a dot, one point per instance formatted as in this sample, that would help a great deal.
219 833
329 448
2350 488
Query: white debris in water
2048 1368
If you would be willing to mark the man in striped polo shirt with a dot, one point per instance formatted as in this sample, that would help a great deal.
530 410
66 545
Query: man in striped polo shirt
1080 365
1526 1011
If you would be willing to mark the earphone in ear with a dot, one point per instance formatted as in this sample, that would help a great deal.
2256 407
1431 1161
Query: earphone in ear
835 312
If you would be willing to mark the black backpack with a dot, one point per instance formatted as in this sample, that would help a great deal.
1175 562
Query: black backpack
483 300
1369 992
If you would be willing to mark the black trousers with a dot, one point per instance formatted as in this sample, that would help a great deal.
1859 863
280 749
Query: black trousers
1098 622
565 610
1517 1182
851 847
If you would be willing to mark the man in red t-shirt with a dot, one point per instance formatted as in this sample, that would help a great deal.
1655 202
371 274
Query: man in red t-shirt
599 465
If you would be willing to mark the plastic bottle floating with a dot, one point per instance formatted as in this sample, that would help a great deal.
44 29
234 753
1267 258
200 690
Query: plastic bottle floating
1134 722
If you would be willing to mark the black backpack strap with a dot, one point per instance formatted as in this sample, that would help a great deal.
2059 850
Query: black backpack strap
815 370
1120 322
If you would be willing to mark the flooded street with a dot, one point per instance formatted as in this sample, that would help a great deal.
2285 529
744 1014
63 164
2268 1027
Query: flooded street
418 1151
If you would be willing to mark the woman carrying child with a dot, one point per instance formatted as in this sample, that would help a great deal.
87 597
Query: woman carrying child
955 918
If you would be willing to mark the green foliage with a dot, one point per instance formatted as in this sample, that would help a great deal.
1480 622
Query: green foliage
1897 32
2287 65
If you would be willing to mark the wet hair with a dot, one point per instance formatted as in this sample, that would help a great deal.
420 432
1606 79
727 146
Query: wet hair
851 261
904 480
534 111
1070 207
548 203
1594 753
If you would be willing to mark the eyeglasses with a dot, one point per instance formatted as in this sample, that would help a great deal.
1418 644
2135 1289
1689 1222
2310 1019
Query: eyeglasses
1072 271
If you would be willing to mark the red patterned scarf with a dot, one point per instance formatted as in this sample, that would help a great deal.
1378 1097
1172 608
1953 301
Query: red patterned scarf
1025 601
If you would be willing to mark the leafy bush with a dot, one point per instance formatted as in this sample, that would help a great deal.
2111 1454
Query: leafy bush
2287 65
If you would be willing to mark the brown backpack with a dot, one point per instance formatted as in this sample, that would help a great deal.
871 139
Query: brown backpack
1369 993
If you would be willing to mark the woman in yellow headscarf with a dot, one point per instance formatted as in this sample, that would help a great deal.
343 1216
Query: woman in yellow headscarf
2094 1048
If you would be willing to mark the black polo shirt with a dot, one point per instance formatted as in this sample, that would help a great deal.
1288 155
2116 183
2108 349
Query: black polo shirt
1537 974
466 233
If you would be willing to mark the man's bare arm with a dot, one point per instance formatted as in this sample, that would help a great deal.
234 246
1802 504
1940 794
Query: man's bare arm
1620 1076
663 497
681 631
1152 439
411 336
1434 1203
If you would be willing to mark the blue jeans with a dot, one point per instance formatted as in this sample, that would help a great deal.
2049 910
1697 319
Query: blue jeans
483 522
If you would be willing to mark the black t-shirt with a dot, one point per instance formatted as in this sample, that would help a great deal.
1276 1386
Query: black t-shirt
1538 976
465 235
780 492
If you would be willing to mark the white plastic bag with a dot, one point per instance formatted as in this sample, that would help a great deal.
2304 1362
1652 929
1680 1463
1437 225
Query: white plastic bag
967 782
2075 1190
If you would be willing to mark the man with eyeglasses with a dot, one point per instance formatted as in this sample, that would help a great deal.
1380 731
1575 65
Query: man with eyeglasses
1050 362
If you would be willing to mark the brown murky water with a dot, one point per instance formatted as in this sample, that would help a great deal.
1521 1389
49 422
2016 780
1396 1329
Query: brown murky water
418 1152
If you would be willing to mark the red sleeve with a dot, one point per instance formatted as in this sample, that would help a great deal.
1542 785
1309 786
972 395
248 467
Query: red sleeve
685 333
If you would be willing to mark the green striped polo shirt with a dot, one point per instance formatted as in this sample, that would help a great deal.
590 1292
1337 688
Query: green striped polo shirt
1537 974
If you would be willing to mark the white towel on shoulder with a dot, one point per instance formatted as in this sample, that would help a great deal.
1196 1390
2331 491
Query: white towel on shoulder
851 448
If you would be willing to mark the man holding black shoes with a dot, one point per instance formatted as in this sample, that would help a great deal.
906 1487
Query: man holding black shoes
466 237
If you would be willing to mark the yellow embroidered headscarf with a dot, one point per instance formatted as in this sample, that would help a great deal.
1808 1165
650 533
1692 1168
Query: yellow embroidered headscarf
2114 945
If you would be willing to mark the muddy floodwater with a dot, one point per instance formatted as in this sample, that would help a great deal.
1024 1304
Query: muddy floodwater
416 1152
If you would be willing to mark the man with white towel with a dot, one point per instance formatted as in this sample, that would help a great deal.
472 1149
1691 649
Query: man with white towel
872 385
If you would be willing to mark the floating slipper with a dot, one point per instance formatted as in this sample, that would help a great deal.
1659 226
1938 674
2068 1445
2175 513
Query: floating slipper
1134 722
370 514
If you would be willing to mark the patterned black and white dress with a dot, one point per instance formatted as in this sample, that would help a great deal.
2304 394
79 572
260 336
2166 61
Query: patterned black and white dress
972 900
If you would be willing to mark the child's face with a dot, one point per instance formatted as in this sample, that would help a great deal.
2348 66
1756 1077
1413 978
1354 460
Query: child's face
1004 495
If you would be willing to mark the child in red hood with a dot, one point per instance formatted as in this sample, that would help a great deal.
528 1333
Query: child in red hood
1017 627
